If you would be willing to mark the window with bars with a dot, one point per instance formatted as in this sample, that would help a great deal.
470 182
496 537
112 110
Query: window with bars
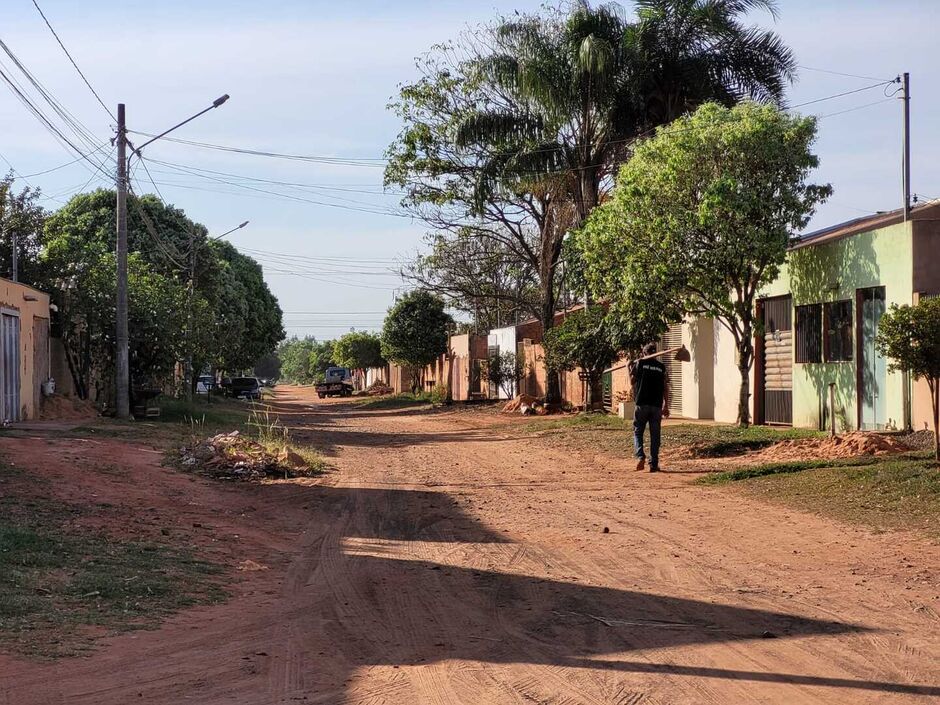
838 338
809 333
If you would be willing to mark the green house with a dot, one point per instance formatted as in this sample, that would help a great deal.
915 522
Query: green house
821 318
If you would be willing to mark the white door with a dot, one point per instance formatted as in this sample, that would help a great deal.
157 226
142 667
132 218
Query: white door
10 365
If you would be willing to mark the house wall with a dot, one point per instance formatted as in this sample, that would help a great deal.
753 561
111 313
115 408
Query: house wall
34 327
926 255
504 339
832 272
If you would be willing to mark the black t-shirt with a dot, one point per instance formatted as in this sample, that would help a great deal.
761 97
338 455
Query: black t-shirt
650 382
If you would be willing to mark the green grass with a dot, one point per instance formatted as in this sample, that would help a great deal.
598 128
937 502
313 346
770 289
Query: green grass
57 580
748 473
899 492
615 435
396 401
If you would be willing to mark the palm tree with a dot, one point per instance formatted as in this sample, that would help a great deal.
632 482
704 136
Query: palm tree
579 88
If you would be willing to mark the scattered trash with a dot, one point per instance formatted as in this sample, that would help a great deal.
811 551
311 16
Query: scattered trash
606 529
231 456
378 389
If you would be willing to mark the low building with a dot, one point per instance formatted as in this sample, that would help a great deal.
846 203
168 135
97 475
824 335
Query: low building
24 350
819 322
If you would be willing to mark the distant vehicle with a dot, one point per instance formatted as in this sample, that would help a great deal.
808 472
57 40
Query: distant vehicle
205 384
244 388
337 382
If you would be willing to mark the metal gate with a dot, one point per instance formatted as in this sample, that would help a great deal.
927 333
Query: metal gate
872 367
777 317
10 364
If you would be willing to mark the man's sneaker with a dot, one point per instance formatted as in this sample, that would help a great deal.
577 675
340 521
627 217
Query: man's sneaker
654 468
640 464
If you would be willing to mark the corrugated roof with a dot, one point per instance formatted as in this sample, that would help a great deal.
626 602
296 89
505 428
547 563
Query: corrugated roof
865 224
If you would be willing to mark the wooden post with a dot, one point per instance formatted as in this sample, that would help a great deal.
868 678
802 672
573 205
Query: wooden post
832 408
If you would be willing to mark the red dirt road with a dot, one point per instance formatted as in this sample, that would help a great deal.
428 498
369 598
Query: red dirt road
447 560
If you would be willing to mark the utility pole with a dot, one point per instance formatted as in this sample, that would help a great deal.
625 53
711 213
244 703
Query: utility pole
15 257
122 356
190 382
906 87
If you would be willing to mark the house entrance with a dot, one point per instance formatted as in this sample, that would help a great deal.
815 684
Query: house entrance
10 365
872 369
776 393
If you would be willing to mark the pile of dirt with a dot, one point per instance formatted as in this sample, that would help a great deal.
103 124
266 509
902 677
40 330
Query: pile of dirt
377 389
848 445
231 456
58 407
524 404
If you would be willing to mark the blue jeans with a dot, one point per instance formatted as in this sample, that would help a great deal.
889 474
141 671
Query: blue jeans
652 415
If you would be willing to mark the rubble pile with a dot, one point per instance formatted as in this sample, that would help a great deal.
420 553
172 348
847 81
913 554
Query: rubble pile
377 389
232 456
524 404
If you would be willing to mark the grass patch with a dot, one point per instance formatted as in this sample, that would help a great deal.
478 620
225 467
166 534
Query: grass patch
58 580
724 478
615 435
899 492
396 401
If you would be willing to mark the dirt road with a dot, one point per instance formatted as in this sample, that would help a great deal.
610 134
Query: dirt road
447 560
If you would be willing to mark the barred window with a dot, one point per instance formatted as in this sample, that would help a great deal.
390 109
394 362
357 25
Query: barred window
809 333
838 338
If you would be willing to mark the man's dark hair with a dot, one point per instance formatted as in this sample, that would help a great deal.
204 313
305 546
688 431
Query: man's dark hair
649 348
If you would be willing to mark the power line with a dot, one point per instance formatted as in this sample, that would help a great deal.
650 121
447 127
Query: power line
87 83
844 93
847 75
858 107
62 166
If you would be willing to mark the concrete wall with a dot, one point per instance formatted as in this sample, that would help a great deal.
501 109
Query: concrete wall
504 339
33 309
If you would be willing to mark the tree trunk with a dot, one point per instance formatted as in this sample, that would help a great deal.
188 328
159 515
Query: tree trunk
552 388
935 398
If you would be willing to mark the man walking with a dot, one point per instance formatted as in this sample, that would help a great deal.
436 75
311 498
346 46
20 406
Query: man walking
651 395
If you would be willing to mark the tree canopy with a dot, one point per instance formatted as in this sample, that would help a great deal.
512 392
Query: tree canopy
415 331
701 219
233 317
358 350
512 135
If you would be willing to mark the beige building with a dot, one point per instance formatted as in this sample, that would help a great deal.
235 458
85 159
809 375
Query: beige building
24 350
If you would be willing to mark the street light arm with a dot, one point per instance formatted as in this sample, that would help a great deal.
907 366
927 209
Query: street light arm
215 104
237 227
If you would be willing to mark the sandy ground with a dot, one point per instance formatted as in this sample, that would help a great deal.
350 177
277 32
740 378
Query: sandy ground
446 560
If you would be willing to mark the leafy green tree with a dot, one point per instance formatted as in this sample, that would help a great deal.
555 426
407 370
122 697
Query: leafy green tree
321 357
513 134
303 360
504 371
415 332
358 351
910 337
701 219
21 220
582 340
156 322
232 318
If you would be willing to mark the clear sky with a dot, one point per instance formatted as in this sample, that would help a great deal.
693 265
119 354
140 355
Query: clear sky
314 77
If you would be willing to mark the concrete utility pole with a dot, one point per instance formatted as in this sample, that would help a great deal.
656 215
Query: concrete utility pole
122 356
906 88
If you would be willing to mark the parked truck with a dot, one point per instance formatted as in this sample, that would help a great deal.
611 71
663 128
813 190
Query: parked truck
337 382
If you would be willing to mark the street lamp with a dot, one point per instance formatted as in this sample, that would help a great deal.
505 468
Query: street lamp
122 356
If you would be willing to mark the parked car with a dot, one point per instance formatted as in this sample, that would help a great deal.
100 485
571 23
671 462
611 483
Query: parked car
205 384
244 388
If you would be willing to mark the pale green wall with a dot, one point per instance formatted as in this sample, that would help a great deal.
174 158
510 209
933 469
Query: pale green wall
879 258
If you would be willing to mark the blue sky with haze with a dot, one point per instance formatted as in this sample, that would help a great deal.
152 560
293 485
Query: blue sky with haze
315 77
